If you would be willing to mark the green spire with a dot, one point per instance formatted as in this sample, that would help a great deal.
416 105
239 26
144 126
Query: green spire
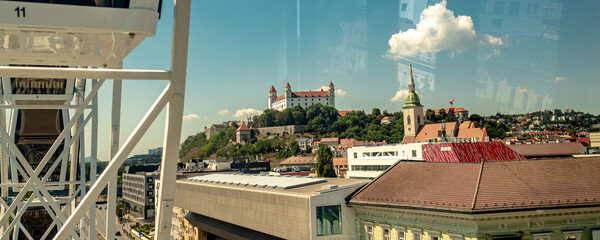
412 99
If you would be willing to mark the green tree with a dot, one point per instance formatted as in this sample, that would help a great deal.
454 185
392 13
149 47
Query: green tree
442 114
477 119
294 147
324 165
120 210
430 115
376 112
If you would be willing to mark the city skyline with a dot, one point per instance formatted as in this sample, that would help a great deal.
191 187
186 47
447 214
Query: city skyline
239 49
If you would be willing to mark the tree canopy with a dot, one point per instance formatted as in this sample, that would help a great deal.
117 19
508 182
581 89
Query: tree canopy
324 165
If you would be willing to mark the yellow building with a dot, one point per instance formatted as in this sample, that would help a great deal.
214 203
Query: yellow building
556 199
595 139
181 228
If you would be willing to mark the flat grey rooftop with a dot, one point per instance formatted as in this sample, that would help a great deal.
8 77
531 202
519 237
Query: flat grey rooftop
281 182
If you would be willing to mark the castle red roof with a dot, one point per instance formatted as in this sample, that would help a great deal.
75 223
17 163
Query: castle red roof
272 89
308 94
331 84
287 85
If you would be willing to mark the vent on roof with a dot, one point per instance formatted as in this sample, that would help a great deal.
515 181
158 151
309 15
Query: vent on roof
329 186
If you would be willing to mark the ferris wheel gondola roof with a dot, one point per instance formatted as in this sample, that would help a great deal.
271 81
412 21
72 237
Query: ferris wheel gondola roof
70 35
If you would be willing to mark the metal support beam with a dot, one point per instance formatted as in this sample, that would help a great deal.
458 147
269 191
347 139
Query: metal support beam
114 147
116 162
168 171
84 73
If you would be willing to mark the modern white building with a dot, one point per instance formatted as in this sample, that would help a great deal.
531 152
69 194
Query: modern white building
245 206
367 162
304 99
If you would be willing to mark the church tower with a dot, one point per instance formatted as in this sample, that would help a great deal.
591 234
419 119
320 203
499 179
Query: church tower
412 109
272 96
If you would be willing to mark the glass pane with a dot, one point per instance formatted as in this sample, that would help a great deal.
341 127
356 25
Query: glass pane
329 220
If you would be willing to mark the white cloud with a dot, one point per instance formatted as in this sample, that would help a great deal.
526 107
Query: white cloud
559 78
338 92
246 112
523 90
400 95
496 52
190 116
223 112
438 30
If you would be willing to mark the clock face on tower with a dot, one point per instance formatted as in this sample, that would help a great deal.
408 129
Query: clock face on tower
409 129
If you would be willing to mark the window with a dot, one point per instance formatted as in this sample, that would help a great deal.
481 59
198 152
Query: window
542 236
369 235
572 235
416 236
150 186
386 234
404 5
513 9
150 193
355 155
329 220
400 234
497 23
414 153
419 120
499 7
408 119
149 180
150 200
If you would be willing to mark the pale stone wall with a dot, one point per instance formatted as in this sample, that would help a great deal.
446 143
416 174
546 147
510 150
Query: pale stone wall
290 129
278 214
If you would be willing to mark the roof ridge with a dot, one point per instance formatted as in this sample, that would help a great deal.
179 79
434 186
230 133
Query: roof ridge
477 186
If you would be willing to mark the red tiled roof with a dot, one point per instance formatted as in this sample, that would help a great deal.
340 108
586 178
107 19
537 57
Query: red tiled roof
547 149
340 161
307 94
488 186
299 160
469 152
329 140
243 128
272 89
466 129
389 118
343 113
311 94
331 84
428 131
457 109
472 133
287 85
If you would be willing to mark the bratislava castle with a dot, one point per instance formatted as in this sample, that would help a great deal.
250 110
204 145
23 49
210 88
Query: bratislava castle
304 99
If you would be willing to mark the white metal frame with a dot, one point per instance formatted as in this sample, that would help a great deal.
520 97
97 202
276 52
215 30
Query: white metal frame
67 218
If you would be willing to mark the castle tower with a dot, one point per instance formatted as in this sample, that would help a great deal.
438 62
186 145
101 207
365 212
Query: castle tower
288 91
412 109
272 96
331 95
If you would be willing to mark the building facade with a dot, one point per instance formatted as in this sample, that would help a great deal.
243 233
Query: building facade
240 206
304 99
138 193
368 162
513 200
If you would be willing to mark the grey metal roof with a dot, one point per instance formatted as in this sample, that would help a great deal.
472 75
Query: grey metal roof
283 182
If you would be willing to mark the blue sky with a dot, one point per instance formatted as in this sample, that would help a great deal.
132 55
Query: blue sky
522 56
